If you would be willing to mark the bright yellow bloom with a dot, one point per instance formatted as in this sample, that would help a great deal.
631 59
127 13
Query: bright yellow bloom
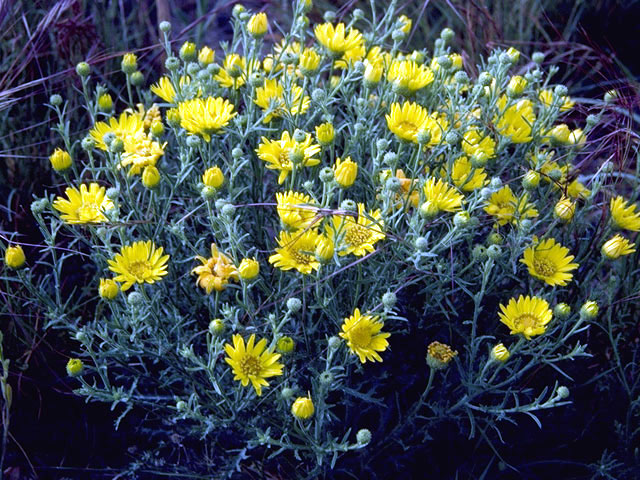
303 408
258 24
140 262
126 125
249 268
108 289
372 73
297 250
500 353
617 246
213 177
164 89
504 205
517 84
325 248
272 100
215 272
516 121
151 177
465 176
441 197
550 262
14 257
345 172
363 336
60 160
253 363
558 135
357 236
140 152
84 205
296 210
205 117
285 154
325 133
233 73
408 76
527 315
406 24
476 145
309 61
547 98
624 215
407 121
334 40
206 56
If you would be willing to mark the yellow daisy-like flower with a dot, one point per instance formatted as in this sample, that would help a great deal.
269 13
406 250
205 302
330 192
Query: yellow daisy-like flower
516 121
140 262
546 98
465 176
527 315
441 197
252 363
334 40
474 144
550 262
357 236
281 154
617 246
216 271
363 336
507 208
271 98
140 151
205 117
408 76
297 250
296 210
164 89
624 215
84 205
407 121
233 73
126 125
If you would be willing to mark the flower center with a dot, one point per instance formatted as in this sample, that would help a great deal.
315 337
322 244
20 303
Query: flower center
139 268
283 158
88 212
410 127
544 267
357 235
525 321
301 258
360 336
250 365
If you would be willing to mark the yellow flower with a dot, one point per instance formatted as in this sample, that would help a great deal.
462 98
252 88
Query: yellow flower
296 250
334 39
624 215
253 363
126 125
303 408
564 209
516 121
74 367
358 236
550 262
205 117
325 134
617 246
309 61
129 63
558 135
60 160
105 103
547 98
84 205
465 176
500 353
324 249
475 145
441 197
363 336
108 289
372 73
140 262
345 172
233 73
296 210
279 154
213 177
164 89
206 56
249 268
408 76
504 205
215 272
151 177
439 355
258 24
406 24
407 121
14 257
527 315
140 152
517 84
273 101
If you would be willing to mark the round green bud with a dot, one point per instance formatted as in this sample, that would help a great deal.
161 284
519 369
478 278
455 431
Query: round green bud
479 252
389 300
390 158
88 144
55 100
393 184
287 393
538 57
181 405
485 79
382 144
294 305
318 95
83 69
39 206
137 78
299 136
555 174
461 77
135 299
326 174
444 61
112 193
560 91
495 239
228 211
495 183
334 343
326 378
447 35
562 310
422 244
116 145
452 138
363 436
208 192
172 64
165 27
329 16
349 205
193 69
461 219
193 141
562 392
494 252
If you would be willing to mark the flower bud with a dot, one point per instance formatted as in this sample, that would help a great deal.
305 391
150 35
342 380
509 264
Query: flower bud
285 345
345 172
334 343
129 63
324 249
303 408
213 177
562 392
589 310
257 25
500 353
562 310
150 176
135 299
617 246
372 74
116 145
514 54
294 305
389 300
188 52
14 257
38 206
165 27
108 289
494 252
287 393
326 378
60 160
447 35
55 100
249 268
309 61
445 62
105 103
422 244
538 57
172 64
479 252
461 219
137 79
564 209
83 69
74 367
485 79
531 180
216 327
439 355
363 437
349 205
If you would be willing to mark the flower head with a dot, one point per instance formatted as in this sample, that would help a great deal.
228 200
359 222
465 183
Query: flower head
516 121
617 246
333 38
86 205
500 353
215 271
465 176
140 262
550 262
507 208
441 197
140 152
526 315
60 160
363 336
408 76
624 215
357 235
296 210
205 117
14 257
303 408
407 121
345 172
127 124
252 363
439 355
272 100
108 289
296 251
278 153
249 268
258 24
476 145
233 73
